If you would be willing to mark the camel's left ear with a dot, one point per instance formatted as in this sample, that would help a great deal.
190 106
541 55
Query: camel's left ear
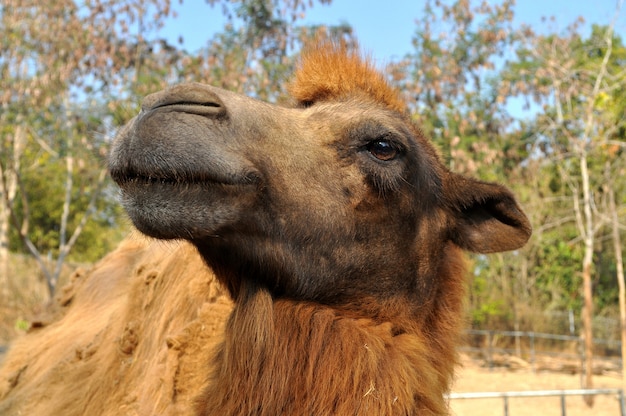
486 217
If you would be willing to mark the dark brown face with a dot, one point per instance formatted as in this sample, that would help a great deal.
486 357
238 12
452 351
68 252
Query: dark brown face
329 202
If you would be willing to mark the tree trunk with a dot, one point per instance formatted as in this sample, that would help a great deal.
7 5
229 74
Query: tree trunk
8 191
4 249
588 225
587 312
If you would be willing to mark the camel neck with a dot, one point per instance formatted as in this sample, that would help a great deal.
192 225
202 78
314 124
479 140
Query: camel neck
286 357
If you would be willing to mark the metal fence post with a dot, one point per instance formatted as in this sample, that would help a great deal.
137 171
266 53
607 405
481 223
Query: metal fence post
506 405
563 409
490 349
622 405
532 350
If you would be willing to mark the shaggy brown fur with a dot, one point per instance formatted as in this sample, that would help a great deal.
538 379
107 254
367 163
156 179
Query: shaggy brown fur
333 226
130 337
328 73
300 358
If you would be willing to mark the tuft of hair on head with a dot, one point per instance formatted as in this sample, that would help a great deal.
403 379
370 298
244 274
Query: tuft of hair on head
331 70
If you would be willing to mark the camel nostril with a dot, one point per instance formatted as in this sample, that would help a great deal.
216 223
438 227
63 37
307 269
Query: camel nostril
191 98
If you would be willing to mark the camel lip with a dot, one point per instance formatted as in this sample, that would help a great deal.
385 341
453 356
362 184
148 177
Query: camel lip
129 178
138 179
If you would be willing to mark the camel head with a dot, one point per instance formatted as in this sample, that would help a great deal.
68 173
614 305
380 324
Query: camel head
336 198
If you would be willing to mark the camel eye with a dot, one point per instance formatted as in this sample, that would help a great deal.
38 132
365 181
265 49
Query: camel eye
382 149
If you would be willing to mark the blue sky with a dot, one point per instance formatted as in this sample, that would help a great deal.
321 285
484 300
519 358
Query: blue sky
385 28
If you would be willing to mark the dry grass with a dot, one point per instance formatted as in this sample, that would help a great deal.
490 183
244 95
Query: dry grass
26 295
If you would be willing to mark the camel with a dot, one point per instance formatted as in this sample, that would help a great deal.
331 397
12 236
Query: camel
313 262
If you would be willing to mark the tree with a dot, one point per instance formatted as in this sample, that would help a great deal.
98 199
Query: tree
52 57
572 79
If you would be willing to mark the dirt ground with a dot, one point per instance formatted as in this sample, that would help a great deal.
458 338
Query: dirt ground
473 377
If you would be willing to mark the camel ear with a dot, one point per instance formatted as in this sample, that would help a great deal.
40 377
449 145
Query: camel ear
487 219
